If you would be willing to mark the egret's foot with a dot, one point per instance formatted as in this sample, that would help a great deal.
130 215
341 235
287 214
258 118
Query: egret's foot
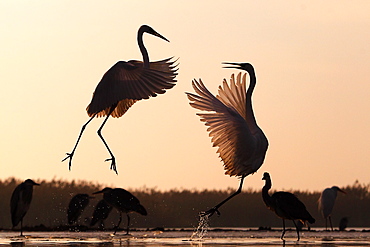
113 164
210 212
69 156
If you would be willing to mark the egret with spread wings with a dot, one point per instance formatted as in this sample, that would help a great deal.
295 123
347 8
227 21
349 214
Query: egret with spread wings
126 83
242 145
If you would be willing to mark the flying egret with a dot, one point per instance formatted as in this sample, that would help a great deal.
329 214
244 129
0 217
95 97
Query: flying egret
20 202
124 202
241 143
101 212
326 203
285 205
77 204
126 83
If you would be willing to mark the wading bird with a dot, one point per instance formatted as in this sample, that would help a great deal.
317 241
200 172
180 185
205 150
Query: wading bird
77 204
124 202
326 203
242 145
20 202
101 212
124 84
285 205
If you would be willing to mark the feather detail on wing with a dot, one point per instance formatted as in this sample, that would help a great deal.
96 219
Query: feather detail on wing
228 129
127 82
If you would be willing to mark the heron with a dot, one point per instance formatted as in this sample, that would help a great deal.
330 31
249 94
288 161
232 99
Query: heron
77 204
232 126
285 205
124 84
101 212
20 202
326 203
124 202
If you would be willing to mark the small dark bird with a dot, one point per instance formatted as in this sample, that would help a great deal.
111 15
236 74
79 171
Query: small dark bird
343 224
326 203
20 202
241 143
126 83
124 202
101 212
77 204
285 205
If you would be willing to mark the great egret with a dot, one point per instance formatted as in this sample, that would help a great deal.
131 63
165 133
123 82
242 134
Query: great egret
101 212
242 145
285 205
77 204
126 83
20 202
326 203
124 202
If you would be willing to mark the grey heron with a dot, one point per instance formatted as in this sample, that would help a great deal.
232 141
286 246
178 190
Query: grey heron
20 202
285 205
101 212
124 202
76 205
126 83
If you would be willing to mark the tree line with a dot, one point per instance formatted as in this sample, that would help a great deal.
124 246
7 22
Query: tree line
177 208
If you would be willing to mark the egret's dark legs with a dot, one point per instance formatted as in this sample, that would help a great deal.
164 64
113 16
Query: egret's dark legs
215 208
128 224
282 235
112 158
119 222
296 227
70 155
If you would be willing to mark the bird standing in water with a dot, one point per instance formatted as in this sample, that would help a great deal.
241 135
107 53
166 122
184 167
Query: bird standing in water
77 204
241 143
124 202
101 212
326 203
20 202
285 205
126 83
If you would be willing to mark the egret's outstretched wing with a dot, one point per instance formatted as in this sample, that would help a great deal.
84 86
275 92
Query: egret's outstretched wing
127 82
228 129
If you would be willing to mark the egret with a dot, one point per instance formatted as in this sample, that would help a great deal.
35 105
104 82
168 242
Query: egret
101 212
242 145
124 202
326 203
77 204
126 83
20 202
285 205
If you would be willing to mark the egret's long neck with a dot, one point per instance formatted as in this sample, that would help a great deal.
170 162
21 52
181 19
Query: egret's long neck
252 84
143 50
265 193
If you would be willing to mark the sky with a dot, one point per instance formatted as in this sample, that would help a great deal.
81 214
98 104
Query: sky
311 100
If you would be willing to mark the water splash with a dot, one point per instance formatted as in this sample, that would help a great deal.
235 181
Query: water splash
202 228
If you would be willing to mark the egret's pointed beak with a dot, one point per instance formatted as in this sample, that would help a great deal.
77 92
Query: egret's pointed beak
236 65
160 36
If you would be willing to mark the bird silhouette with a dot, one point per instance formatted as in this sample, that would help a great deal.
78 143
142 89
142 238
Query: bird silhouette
20 202
242 145
77 204
126 83
124 202
326 203
285 205
101 212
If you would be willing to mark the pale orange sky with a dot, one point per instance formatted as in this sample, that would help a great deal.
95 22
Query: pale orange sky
312 95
